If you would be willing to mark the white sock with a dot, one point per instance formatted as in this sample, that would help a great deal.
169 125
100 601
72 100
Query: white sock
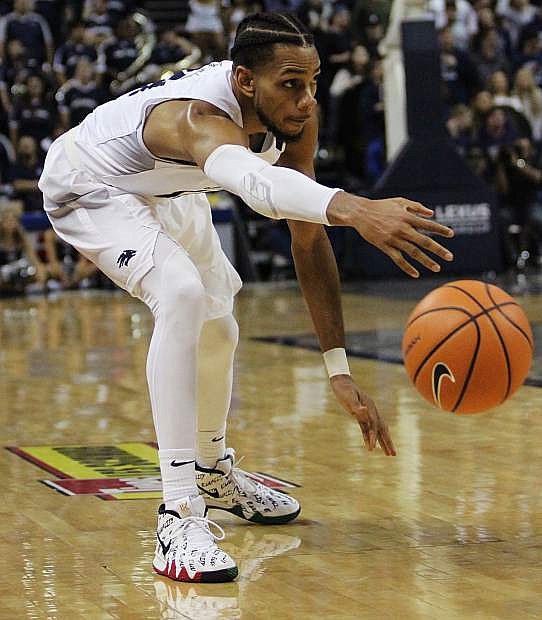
178 475
211 446
217 346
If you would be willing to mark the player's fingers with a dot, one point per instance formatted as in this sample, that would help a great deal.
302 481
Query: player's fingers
431 226
374 423
425 242
418 255
401 262
385 441
362 415
415 207
365 432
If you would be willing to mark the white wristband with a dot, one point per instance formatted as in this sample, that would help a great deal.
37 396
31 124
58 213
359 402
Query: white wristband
336 362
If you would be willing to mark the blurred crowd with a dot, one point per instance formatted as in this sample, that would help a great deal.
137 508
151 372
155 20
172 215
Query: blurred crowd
59 59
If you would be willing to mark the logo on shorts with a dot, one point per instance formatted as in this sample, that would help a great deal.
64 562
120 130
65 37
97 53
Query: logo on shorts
125 257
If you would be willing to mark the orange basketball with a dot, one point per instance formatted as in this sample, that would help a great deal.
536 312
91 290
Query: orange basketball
467 346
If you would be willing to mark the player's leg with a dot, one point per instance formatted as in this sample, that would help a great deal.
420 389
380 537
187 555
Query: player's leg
127 244
223 485
218 342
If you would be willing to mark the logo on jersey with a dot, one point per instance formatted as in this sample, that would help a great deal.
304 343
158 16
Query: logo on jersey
125 257
440 372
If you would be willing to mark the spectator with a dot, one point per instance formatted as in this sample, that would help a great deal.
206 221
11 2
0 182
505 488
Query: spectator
371 35
489 55
64 263
79 96
499 87
206 28
121 52
98 21
481 106
497 131
460 128
34 114
171 49
25 172
371 110
19 263
314 14
460 79
361 12
344 96
67 56
516 14
530 55
487 20
530 95
29 28
457 15
14 71
334 47
519 178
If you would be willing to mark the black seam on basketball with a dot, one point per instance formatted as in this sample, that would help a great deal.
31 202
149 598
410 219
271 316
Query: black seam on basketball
492 321
450 334
438 345
471 368
504 348
436 310
512 322
469 295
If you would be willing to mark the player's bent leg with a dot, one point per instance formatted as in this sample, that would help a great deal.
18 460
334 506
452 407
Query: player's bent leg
229 488
140 258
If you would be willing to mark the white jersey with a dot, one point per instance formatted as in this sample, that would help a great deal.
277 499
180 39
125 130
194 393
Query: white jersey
109 142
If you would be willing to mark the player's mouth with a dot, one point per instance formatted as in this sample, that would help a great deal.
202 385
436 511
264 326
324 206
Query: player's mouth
299 119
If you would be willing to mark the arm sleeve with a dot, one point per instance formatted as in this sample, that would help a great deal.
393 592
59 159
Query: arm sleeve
273 191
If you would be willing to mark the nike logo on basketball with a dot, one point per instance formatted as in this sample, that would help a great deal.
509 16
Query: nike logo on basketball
440 372
179 463
165 548
214 493
125 257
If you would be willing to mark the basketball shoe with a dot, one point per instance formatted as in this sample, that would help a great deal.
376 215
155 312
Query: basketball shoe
229 488
186 548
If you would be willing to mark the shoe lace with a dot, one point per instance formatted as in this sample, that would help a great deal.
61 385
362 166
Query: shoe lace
241 478
200 532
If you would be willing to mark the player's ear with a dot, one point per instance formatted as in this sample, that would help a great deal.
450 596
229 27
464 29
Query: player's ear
245 80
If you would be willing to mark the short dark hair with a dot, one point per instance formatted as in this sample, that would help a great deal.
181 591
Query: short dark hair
259 32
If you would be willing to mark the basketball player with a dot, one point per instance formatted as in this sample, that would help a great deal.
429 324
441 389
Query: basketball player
126 188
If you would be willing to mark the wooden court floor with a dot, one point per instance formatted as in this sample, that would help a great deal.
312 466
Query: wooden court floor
449 529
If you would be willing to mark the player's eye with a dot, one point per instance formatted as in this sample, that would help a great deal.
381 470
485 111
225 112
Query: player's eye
290 83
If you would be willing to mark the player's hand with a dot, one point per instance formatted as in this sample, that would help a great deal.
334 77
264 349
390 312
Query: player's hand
396 226
361 407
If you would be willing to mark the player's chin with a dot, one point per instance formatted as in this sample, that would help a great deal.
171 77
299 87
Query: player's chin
294 127
292 130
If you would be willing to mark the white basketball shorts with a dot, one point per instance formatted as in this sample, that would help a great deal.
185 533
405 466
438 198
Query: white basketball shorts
118 231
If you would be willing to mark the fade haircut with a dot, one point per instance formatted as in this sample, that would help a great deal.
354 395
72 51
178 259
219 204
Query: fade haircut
258 33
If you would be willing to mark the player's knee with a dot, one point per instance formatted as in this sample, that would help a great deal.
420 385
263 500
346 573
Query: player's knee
186 293
182 288
224 332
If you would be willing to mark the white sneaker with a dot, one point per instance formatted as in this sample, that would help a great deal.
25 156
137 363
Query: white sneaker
186 548
229 488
